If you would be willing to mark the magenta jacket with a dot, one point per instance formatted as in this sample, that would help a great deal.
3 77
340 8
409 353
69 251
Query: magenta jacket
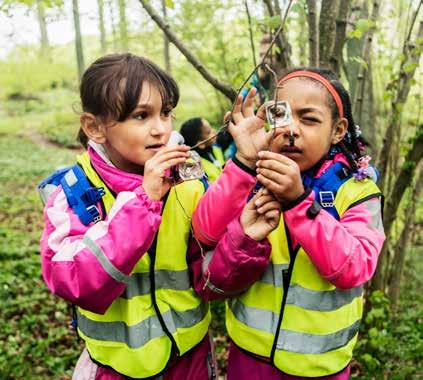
352 246
73 272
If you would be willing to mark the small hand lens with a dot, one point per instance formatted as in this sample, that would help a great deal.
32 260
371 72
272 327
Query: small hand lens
279 114
191 169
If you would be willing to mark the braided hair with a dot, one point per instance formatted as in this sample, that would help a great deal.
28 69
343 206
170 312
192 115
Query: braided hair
352 143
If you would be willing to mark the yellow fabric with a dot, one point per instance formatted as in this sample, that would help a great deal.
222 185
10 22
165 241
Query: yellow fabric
172 244
264 298
210 168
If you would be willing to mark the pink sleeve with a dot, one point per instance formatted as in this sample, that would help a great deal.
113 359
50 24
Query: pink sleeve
345 252
222 202
90 265
234 265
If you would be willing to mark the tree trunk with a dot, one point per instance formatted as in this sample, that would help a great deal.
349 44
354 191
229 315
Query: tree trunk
402 244
123 26
412 53
113 24
355 45
103 47
363 69
327 30
166 44
225 88
403 181
313 33
45 45
341 31
78 39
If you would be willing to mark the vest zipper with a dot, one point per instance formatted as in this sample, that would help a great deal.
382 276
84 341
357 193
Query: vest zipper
286 278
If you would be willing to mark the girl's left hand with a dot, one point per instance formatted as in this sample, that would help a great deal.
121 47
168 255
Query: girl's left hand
260 215
280 175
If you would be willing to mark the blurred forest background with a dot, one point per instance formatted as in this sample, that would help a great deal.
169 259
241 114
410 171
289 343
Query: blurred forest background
210 47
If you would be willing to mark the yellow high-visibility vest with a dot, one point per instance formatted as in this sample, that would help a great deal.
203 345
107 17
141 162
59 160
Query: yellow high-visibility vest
159 307
213 170
311 329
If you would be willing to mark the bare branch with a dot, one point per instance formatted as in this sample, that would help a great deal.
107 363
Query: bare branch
281 41
225 88
250 30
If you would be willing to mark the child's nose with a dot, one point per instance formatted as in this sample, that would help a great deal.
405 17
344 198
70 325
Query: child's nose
286 130
159 127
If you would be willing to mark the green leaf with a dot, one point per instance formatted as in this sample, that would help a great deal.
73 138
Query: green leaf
169 4
409 67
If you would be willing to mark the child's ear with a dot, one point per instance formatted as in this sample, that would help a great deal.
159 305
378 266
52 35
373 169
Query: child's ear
339 131
92 128
202 146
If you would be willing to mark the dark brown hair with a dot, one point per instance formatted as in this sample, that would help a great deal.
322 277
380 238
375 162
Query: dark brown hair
111 87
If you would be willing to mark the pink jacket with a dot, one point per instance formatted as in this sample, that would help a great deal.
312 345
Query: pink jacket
73 272
352 246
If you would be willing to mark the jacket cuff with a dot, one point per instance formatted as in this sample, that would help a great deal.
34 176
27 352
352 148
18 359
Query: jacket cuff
296 202
151 205
244 167
243 242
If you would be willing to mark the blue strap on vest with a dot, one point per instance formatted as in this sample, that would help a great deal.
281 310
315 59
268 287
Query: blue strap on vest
326 186
81 196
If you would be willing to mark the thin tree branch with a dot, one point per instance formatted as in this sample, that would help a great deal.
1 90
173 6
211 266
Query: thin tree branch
250 29
281 41
225 88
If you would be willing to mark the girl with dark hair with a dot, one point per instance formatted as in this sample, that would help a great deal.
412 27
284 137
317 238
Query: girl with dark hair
198 129
117 242
295 288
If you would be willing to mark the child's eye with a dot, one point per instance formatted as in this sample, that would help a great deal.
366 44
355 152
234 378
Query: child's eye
141 116
310 120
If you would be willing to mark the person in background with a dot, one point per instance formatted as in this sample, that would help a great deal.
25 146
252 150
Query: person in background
198 129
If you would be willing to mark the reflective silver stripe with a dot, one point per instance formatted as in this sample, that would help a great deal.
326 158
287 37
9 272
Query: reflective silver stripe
206 260
259 319
139 283
303 343
111 270
138 335
321 300
273 274
204 267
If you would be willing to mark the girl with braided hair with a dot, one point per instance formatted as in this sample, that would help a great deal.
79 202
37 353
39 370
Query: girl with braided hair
294 286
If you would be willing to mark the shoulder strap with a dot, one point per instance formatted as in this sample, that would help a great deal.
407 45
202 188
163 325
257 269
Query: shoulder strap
81 196
326 186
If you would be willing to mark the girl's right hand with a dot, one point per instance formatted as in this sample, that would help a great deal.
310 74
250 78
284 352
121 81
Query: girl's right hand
155 183
261 215
248 131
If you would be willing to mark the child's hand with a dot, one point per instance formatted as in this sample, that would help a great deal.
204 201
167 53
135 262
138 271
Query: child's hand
248 131
260 215
155 182
280 175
